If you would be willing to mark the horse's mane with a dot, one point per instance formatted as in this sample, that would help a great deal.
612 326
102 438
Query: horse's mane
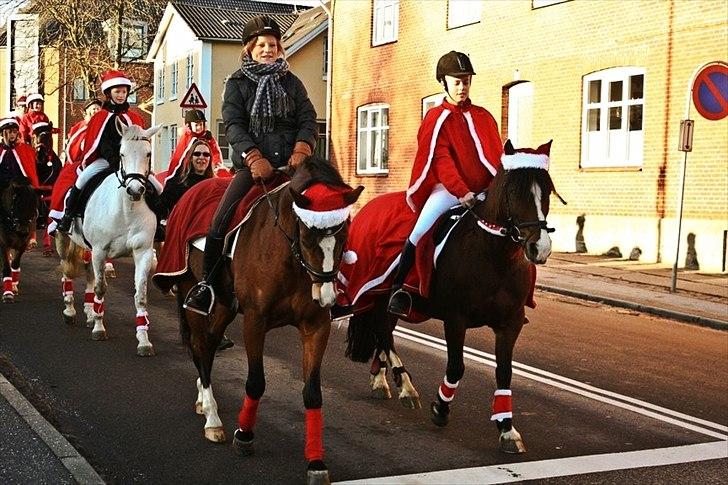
316 170
518 182
21 186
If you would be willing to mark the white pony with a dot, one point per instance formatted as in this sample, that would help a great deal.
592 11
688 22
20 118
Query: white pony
117 222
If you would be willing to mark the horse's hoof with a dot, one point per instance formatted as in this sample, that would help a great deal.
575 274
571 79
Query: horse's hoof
216 434
198 409
381 393
243 443
410 402
145 351
99 335
512 446
317 473
69 319
439 416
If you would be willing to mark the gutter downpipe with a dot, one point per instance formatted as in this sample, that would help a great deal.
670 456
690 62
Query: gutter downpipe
329 39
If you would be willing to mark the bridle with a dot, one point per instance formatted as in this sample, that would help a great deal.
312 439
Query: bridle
294 243
124 178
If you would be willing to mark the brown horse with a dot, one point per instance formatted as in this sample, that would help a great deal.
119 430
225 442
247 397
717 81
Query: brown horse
282 272
18 212
49 167
483 277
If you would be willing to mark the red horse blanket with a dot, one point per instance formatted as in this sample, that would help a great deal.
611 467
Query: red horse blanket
192 216
377 235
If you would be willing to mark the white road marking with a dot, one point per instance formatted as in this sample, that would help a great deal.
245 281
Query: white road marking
574 465
561 467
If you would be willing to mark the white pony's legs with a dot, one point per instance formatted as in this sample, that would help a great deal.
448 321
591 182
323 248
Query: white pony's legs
142 265
97 260
207 405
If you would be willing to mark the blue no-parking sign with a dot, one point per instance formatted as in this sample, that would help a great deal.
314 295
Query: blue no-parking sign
710 91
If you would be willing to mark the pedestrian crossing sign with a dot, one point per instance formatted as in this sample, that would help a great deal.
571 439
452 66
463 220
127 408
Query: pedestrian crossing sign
193 99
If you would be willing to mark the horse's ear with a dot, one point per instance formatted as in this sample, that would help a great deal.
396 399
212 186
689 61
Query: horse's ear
352 196
545 149
152 131
301 200
508 148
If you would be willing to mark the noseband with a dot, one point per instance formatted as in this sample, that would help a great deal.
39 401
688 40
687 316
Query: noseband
124 178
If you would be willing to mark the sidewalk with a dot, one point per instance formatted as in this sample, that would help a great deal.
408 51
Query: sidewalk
32 451
699 298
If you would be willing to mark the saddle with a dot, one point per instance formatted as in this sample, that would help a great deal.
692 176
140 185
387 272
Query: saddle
89 189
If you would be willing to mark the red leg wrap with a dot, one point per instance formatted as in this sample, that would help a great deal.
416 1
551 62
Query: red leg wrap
87 256
98 306
502 405
7 285
15 275
88 297
447 390
142 320
246 417
67 287
314 429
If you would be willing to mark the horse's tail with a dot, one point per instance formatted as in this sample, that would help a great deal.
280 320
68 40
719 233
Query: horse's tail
72 263
361 340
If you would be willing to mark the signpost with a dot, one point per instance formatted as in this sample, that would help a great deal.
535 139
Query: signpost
708 90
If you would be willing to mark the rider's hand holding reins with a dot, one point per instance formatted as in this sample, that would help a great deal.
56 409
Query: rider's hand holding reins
301 152
260 167
468 200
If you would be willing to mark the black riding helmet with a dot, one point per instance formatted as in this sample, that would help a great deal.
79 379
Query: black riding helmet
453 64
195 116
261 25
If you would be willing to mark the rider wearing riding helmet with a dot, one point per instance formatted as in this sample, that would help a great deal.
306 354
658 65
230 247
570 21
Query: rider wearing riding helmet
35 114
17 159
102 140
458 154
195 129
270 123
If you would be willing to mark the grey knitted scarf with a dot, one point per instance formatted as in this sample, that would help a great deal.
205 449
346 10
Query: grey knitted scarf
271 99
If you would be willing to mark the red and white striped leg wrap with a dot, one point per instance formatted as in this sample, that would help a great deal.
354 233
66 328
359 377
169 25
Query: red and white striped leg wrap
67 287
447 390
8 286
98 306
246 417
15 275
314 449
87 256
502 405
88 297
142 321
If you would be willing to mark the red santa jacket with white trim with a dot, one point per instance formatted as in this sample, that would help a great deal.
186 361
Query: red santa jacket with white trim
74 144
95 129
183 146
27 121
457 146
24 155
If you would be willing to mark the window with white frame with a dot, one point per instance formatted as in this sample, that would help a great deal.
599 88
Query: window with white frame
385 22
172 139
223 143
190 70
430 102
372 139
132 98
326 56
174 81
463 12
612 118
160 84
133 41
80 92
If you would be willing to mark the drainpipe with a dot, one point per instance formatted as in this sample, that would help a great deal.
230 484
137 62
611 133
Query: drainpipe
329 38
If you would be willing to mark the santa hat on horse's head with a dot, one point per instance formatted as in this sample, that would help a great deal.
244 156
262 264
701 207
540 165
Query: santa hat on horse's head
42 126
114 78
322 206
513 158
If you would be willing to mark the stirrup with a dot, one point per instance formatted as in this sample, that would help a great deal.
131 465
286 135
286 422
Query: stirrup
400 308
198 289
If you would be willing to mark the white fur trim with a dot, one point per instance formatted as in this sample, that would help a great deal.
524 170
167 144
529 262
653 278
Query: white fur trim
478 146
116 81
40 124
8 121
435 132
525 160
34 97
503 392
349 257
323 219
55 214
501 416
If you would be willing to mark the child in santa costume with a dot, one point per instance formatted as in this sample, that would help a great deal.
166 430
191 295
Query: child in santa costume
102 140
35 103
195 130
458 154
77 133
17 159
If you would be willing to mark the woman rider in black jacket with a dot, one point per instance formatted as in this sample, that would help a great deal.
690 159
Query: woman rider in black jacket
269 123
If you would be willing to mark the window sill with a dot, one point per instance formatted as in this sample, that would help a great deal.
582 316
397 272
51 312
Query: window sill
378 173
173 98
159 101
614 168
383 42
453 27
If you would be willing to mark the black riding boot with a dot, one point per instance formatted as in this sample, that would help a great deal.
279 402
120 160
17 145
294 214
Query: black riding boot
201 297
400 303
64 225
156 204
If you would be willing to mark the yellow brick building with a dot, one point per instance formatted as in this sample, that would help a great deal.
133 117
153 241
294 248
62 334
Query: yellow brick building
607 80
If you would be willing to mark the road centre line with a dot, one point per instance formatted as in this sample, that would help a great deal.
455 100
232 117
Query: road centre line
608 397
578 465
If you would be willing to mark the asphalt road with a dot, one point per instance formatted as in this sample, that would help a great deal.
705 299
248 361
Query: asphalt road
588 373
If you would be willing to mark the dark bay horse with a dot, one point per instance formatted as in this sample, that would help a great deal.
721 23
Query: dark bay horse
483 278
48 167
282 272
18 212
